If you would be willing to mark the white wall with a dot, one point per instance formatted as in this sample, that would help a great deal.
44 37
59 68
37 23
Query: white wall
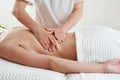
6 17
100 12
5 13
103 12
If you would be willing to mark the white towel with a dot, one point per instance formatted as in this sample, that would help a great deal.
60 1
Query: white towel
97 44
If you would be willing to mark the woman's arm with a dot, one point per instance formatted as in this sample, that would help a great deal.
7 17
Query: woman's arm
41 35
60 33
70 66
20 13
74 17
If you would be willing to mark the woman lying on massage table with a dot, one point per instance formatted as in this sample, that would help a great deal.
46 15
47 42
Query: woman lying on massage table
20 46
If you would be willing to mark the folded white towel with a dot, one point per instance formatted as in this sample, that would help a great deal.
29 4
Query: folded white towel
97 44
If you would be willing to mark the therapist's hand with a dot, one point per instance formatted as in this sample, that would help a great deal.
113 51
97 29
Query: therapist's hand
60 34
46 39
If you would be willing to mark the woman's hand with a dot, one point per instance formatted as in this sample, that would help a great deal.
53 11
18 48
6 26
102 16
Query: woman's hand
112 66
60 34
46 39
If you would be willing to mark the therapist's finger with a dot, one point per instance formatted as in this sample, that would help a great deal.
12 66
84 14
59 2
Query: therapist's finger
60 39
63 38
53 44
43 44
49 29
47 42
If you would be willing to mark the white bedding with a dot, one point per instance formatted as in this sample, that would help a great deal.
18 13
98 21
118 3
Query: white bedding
93 76
13 71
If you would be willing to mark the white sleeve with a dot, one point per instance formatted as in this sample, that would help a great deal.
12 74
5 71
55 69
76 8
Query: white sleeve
30 2
76 1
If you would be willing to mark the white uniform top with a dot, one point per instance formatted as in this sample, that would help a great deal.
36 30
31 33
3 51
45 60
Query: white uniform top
53 13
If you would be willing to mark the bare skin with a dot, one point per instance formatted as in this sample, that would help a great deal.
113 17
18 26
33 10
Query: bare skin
22 47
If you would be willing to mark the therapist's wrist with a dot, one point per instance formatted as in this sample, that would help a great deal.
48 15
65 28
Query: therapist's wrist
36 29
64 29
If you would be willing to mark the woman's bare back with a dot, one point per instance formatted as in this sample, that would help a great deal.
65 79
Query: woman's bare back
25 39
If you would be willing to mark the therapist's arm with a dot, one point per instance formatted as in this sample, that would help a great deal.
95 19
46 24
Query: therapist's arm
21 15
60 32
74 17
41 35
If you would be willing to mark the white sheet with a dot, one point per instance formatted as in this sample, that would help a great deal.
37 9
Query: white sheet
93 76
13 71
